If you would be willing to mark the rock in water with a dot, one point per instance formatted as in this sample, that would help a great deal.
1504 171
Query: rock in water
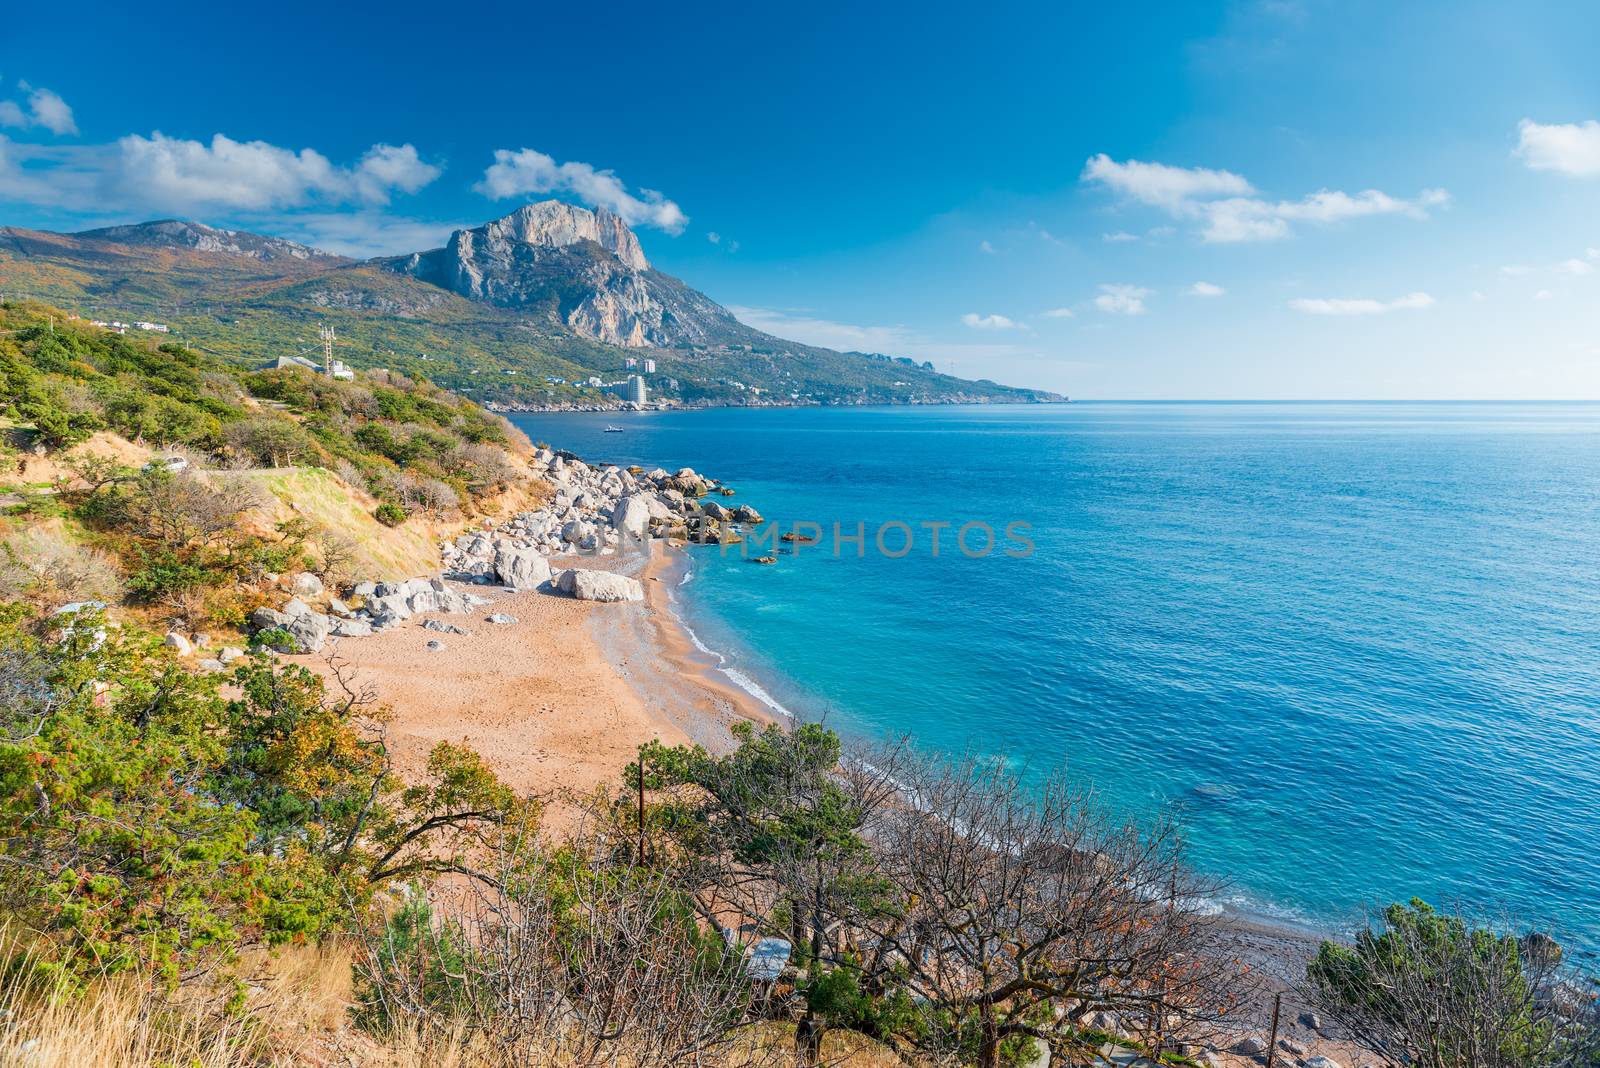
520 569
588 585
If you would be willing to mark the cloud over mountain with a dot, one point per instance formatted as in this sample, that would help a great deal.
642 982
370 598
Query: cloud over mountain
168 174
43 108
527 171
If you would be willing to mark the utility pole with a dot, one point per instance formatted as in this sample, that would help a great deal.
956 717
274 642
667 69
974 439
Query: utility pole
326 333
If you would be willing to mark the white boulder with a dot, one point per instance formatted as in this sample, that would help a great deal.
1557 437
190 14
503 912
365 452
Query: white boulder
631 517
588 585
519 568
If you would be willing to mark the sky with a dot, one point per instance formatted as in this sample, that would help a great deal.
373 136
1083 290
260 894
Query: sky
1258 199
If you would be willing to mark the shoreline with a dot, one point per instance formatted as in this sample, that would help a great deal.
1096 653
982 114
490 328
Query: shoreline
680 644
656 654
558 703
1275 950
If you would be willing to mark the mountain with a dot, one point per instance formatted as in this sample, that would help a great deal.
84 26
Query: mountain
585 267
526 309
177 233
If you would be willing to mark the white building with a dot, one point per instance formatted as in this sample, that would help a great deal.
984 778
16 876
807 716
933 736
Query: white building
649 367
634 390
631 363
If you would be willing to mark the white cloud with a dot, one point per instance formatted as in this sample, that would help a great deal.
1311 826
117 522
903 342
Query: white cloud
44 109
1227 207
1058 313
525 171
1515 269
1575 266
985 247
140 176
990 322
1205 289
714 237
1162 185
974 359
1361 306
1119 236
168 173
1249 219
1544 294
1122 299
387 168
362 234
1567 148
846 337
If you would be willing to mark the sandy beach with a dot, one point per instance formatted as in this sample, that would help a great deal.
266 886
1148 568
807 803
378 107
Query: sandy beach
558 701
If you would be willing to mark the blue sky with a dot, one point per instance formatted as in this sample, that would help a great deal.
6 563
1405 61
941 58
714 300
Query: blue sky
1273 198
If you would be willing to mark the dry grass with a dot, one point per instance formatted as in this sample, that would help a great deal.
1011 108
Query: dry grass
293 1014
383 552
117 1025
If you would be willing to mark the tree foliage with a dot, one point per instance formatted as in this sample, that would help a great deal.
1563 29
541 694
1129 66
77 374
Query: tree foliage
1436 990
148 819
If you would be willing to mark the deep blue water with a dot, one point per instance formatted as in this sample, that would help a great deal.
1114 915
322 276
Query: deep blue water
1358 644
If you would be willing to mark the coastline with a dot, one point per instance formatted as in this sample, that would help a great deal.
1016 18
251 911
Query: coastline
656 654
1274 950
558 703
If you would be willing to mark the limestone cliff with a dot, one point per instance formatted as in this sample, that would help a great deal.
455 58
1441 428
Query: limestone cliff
585 268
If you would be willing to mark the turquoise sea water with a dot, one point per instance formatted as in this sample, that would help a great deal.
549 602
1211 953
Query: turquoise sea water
1358 644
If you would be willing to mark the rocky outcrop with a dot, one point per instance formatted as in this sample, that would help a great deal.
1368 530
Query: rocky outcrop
307 629
585 267
586 585
520 568
631 517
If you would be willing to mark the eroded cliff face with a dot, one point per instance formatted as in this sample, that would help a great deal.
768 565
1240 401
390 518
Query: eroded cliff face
585 267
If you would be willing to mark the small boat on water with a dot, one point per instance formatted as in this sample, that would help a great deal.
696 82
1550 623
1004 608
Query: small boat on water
613 430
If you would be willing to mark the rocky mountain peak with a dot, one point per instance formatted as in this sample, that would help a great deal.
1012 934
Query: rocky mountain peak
555 224
583 268
181 233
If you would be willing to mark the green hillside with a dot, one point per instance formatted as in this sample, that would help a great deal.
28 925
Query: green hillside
252 310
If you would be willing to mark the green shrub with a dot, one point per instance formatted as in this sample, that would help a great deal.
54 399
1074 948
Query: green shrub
148 821
390 514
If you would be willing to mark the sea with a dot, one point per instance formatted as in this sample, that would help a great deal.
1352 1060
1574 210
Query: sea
1354 646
